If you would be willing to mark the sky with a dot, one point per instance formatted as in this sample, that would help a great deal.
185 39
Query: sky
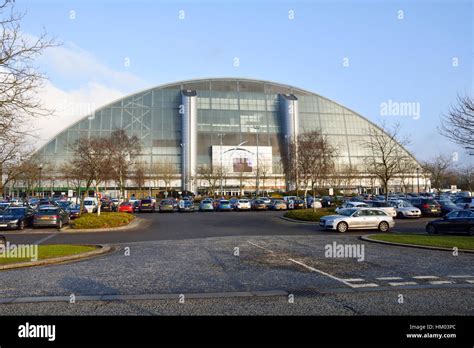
391 61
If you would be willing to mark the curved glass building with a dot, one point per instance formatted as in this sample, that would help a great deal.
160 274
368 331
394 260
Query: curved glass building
239 124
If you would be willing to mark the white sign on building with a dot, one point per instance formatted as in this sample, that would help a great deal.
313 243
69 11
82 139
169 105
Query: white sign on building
236 159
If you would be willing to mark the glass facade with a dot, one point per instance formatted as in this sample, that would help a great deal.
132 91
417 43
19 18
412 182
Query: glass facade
224 106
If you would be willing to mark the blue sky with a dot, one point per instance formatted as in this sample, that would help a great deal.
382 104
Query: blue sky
402 60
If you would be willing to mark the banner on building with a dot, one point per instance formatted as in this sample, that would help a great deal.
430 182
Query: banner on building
242 159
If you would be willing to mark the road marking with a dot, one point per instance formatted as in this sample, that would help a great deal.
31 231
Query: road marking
402 283
389 278
354 280
439 282
324 273
258 246
461 276
425 277
45 239
365 285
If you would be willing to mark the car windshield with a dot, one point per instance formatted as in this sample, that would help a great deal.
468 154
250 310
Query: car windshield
125 204
88 202
224 202
17 211
47 212
74 206
406 204
146 201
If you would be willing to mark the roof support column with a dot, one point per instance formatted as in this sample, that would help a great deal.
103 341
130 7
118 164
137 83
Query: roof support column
188 110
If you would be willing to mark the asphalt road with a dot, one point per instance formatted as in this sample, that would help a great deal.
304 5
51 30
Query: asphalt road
179 226
240 263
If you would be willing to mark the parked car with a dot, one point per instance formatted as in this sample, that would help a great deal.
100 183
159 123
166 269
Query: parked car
126 207
465 202
74 209
405 209
90 204
358 218
447 206
224 205
259 205
299 204
146 205
457 221
3 206
428 206
63 204
206 205
242 204
167 205
278 204
383 206
186 206
326 201
136 205
51 216
106 205
16 218
350 204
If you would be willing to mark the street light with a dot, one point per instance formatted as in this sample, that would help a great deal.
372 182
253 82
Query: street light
257 128
221 135
40 168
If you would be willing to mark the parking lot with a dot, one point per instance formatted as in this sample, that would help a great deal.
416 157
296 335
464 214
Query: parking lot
212 258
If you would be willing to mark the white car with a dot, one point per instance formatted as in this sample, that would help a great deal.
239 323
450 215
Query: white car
387 207
243 204
405 209
316 204
90 204
350 204
357 218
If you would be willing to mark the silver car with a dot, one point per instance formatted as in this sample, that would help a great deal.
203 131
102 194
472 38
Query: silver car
405 209
358 218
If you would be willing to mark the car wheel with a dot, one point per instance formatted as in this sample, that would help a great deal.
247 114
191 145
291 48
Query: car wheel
400 215
60 224
21 225
471 231
383 226
342 227
431 229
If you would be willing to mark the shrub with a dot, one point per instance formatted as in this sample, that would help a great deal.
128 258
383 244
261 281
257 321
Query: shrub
309 214
105 220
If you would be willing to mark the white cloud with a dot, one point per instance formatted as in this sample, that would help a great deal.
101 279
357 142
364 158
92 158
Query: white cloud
91 85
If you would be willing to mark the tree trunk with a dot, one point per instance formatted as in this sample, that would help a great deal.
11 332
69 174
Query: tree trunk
98 199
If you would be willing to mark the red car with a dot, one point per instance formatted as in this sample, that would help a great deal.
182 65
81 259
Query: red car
126 207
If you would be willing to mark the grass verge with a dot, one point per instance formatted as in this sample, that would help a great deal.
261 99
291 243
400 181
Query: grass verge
309 214
461 242
104 220
48 252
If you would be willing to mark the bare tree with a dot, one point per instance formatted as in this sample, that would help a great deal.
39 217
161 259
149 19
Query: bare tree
458 124
93 156
20 82
406 170
348 174
138 176
264 171
466 178
315 160
124 151
165 171
212 176
438 169
73 175
385 146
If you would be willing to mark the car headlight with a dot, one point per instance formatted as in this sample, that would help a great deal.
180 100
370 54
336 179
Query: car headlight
14 221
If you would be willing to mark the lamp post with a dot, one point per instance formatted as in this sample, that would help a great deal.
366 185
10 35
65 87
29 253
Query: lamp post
257 128
221 135
40 168
418 180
